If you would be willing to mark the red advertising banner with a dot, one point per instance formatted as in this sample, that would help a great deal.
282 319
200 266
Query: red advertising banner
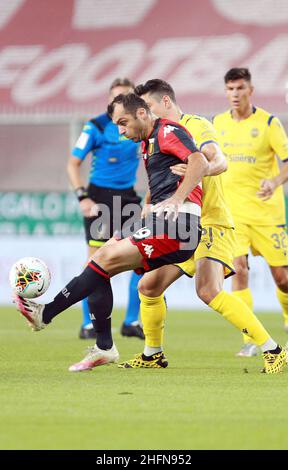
61 56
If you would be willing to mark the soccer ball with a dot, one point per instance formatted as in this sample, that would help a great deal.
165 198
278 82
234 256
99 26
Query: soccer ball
29 277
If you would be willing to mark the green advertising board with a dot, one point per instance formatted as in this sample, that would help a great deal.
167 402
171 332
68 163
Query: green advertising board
44 213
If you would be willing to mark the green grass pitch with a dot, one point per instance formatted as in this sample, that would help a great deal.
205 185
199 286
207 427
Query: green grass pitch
205 399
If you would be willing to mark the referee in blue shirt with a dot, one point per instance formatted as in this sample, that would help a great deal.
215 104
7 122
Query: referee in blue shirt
114 165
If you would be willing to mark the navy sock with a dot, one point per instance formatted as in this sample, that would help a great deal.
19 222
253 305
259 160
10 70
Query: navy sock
100 307
93 278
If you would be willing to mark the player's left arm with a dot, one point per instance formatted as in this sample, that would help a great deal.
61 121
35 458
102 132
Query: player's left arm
279 143
268 186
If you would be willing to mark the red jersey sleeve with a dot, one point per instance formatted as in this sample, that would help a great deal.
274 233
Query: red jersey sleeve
176 140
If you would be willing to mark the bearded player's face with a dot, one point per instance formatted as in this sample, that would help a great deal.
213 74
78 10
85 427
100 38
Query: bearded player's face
132 127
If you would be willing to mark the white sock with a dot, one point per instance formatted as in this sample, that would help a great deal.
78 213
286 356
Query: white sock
148 351
269 345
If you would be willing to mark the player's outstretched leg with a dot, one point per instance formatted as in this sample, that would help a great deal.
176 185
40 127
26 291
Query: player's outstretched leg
31 311
237 313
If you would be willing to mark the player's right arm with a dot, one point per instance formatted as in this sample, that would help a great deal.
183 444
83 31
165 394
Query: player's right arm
86 142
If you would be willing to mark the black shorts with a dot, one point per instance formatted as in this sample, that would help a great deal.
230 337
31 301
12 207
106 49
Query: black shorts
162 241
114 211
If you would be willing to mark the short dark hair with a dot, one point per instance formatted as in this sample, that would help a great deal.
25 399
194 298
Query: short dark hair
158 87
236 73
122 82
130 102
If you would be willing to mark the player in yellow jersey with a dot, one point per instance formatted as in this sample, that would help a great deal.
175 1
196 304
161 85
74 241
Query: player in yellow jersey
213 258
251 138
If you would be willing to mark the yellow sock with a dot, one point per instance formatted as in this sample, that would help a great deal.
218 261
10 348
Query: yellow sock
237 313
283 299
153 314
246 296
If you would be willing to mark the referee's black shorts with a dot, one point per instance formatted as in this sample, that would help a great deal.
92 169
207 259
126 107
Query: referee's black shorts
115 208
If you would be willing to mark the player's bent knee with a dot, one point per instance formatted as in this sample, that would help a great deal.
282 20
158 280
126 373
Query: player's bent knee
107 257
148 289
207 293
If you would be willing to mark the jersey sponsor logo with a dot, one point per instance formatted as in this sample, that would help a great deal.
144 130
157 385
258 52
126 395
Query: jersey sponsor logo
82 141
148 249
241 158
254 132
167 129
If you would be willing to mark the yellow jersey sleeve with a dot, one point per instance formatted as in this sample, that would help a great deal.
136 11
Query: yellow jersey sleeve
201 129
278 138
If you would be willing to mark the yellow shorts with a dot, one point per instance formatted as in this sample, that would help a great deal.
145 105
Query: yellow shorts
217 243
269 241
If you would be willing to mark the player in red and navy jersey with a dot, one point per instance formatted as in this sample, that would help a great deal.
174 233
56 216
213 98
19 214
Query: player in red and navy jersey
169 234
167 142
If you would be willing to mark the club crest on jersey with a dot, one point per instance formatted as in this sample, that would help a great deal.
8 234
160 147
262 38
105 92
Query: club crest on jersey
150 150
254 132
167 129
